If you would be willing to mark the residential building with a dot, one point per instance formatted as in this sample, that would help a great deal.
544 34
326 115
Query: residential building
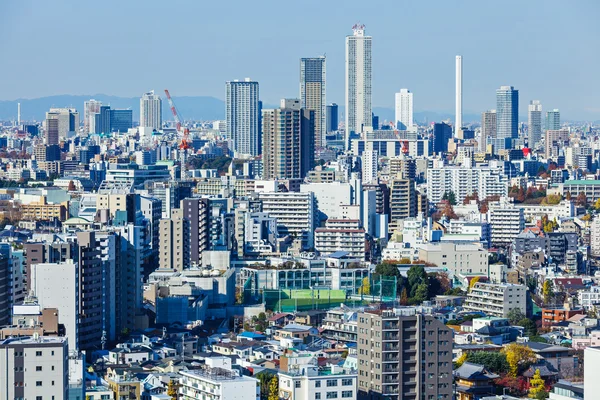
591 383
507 113
462 181
403 355
90 108
404 110
212 383
553 120
497 300
243 115
506 223
34 367
534 123
310 382
555 140
403 201
341 235
6 288
313 94
460 259
358 82
151 111
488 128
174 247
288 141
370 166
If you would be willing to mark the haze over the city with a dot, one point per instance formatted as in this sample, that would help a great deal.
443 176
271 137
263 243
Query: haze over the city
545 49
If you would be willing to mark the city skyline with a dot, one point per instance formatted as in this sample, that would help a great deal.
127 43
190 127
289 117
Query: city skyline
490 57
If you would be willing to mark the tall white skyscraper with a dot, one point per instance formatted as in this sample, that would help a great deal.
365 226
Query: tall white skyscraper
90 109
369 166
242 115
404 110
151 111
313 93
534 125
458 119
358 82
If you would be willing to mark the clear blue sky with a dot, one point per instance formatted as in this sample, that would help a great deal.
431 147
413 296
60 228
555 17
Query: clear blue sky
547 49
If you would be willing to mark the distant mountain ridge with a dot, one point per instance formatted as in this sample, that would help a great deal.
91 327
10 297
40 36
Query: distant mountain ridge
199 108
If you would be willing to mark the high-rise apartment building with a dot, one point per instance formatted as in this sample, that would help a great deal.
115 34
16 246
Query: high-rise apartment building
458 101
196 212
358 82
174 251
534 123
90 108
332 118
313 93
243 116
553 120
403 355
6 288
288 141
404 110
507 113
151 111
554 141
369 166
488 128
403 201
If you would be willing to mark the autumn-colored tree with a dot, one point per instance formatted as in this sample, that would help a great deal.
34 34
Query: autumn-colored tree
520 195
483 207
404 297
274 389
581 199
71 187
552 199
587 217
537 385
517 356
473 282
461 360
173 389
568 196
366 286
597 204
548 290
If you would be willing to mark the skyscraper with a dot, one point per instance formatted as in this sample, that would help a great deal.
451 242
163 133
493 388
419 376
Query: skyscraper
553 120
458 82
151 111
288 141
404 110
90 108
313 93
507 113
242 116
441 134
488 128
51 128
358 82
534 123
68 121
332 117
121 120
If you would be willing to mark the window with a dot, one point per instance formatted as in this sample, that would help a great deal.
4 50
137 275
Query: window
332 395
346 394
331 383
346 382
38 368
38 353
297 384
38 383
318 383
38 397
317 396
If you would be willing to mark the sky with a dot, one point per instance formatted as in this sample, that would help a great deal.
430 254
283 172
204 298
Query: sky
547 49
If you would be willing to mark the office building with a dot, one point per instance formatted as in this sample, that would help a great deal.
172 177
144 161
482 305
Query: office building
90 108
121 120
507 113
534 125
458 102
34 368
488 128
358 82
101 124
67 122
403 355
496 300
174 247
151 111
553 120
404 110
313 93
52 123
288 141
332 118
243 116
555 140
442 133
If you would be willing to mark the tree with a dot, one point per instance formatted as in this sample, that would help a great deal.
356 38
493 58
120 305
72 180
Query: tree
173 389
365 288
581 199
529 325
537 385
421 293
404 297
387 269
473 282
452 198
262 316
416 275
548 290
274 389
568 195
518 355
515 315
461 360
264 380
597 204
492 361
71 187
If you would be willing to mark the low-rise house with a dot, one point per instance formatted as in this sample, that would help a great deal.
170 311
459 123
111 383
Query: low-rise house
473 381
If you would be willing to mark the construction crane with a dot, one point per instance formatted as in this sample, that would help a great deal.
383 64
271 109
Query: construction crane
185 140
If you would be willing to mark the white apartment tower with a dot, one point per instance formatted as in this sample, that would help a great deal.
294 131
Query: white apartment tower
534 125
458 120
90 109
151 111
404 110
243 116
369 166
358 82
